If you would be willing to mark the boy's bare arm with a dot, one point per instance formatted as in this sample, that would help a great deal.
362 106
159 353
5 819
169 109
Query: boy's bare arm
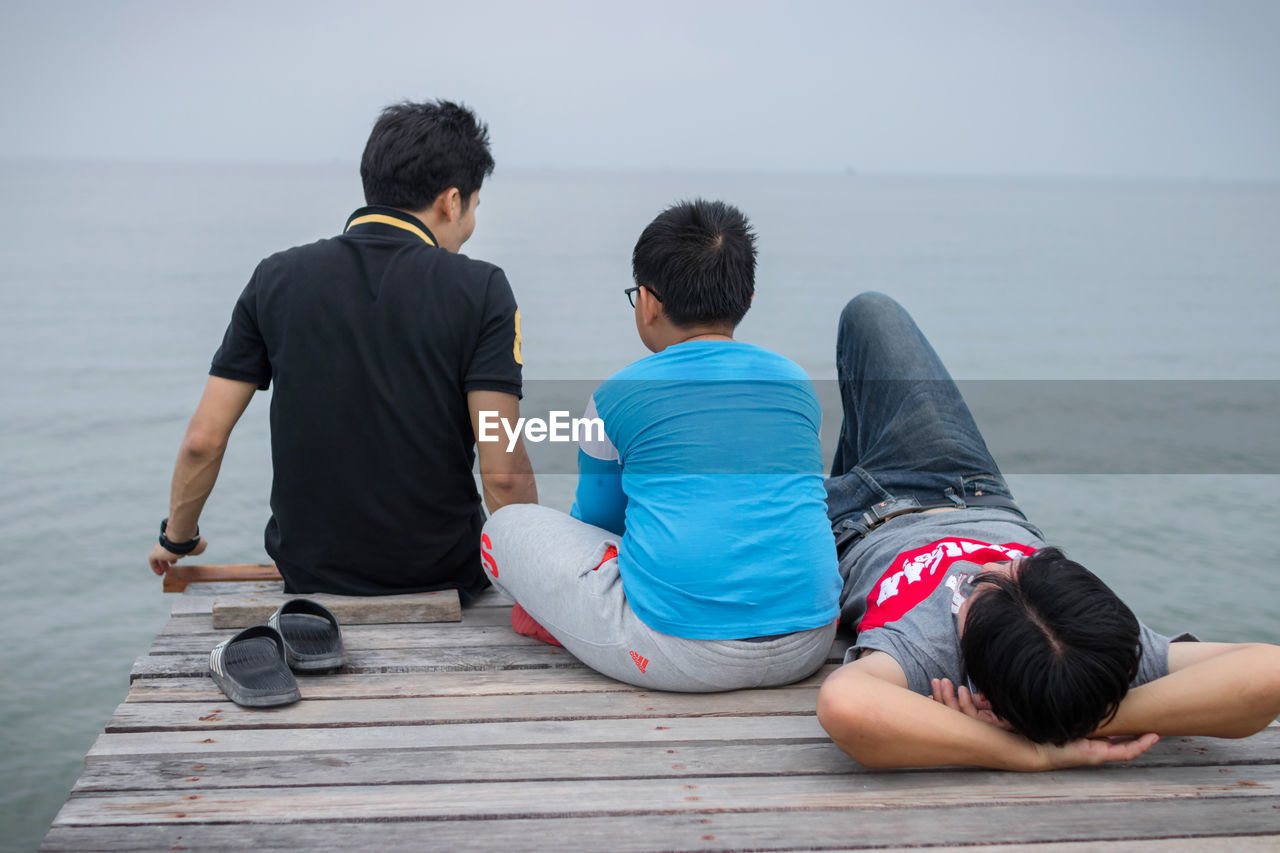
1227 690
869 712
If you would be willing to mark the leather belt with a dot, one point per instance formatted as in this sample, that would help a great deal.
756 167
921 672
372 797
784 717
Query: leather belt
852 529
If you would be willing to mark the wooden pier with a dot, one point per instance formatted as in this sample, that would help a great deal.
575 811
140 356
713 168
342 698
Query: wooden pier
466 736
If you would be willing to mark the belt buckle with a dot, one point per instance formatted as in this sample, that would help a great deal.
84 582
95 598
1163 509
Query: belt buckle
885 510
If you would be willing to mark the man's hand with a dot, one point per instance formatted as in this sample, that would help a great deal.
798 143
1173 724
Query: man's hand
1077 753
971 704
162 560
1088 752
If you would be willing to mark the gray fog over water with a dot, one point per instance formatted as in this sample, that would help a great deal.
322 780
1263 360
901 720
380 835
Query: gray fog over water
119 279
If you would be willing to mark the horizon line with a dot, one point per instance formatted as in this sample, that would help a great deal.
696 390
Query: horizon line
847 172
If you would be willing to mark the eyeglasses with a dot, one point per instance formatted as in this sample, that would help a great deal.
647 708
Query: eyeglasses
631 294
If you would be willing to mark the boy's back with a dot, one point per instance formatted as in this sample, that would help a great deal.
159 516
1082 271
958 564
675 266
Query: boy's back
716 444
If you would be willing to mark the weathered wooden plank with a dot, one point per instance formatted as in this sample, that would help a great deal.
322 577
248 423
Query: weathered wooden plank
397 684
668 730
419 684
521 656
216 588
197 598
1182 825
1220 844
210 716
202 623
519 653
401 636
579 761
241 611
177 578
490 598
604 761
557 798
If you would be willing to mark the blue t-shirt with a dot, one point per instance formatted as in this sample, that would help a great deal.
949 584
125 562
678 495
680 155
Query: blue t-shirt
710 469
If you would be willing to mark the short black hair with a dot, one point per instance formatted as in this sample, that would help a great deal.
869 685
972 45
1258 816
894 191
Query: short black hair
699 258
1052 647
417 151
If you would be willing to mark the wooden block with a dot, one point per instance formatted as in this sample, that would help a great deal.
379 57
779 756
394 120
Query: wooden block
177 578
241 611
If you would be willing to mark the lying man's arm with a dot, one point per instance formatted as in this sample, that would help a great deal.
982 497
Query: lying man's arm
869 712
1227 690
507 476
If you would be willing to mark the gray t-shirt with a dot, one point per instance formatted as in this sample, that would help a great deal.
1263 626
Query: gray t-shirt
904 584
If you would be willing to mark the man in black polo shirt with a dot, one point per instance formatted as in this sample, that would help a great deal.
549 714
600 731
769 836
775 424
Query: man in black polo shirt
384 345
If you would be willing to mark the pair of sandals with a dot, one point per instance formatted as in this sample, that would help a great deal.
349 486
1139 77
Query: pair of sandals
255 667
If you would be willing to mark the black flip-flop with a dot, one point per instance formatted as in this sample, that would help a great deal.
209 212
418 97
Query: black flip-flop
251 669
312 638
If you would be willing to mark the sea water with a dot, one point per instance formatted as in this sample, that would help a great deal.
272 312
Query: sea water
118 280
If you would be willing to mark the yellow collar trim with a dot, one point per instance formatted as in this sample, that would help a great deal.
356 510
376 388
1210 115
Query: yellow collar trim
383 219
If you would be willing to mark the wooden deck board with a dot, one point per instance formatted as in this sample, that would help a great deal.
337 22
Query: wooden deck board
569 761
467 736
201 716
622 797
831 830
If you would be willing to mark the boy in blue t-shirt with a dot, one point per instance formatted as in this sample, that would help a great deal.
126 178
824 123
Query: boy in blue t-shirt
698 556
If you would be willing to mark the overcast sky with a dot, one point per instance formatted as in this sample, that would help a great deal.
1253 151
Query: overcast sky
1165 88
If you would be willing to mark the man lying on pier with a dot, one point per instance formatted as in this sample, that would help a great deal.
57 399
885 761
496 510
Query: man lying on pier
976 644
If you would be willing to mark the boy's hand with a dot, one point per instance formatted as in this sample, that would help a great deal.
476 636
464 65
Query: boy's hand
1088 752
970 704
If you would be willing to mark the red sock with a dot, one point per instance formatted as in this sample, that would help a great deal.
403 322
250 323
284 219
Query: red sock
523 623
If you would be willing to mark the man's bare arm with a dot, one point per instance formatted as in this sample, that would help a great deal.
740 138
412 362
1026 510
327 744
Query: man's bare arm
198 463
1229 690
507 476
869 712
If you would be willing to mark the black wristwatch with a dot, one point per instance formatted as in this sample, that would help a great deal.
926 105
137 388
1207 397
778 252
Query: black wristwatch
178 548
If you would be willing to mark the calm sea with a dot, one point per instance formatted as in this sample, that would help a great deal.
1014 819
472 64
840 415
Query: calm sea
118 280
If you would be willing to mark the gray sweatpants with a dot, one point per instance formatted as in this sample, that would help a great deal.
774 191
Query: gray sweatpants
546 560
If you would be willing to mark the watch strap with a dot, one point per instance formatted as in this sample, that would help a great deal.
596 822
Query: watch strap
179 548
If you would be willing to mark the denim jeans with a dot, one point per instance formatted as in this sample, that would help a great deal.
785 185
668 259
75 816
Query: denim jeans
907 431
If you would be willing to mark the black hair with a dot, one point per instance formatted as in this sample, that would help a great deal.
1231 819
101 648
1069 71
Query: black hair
1052 647
699 258
417 151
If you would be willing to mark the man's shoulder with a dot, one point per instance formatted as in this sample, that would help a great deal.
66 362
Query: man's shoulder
442 259
443 263
306 251
466 262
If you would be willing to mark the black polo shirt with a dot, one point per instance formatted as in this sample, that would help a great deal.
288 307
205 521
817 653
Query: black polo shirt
373 339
